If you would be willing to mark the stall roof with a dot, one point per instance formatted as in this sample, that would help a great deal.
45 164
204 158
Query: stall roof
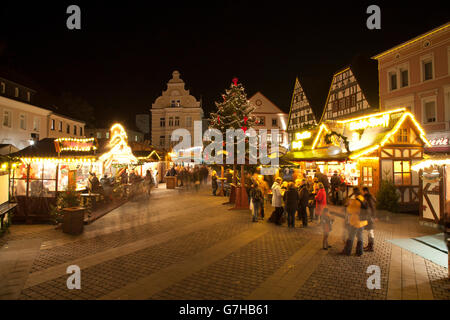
45 148
373 131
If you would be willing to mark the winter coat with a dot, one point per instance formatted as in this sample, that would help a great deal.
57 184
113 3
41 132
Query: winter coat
321 201
256 195
303 196
291 198
276 195
214 182
335 181
354 212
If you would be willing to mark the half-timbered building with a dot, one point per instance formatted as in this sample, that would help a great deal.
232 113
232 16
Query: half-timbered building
365 150
353 90
306 104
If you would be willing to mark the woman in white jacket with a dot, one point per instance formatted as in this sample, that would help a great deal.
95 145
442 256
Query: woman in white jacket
277 201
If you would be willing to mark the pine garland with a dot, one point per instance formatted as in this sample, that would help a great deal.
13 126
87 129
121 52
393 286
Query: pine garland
334 133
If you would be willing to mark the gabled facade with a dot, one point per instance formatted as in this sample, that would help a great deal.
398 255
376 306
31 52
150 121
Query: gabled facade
353 91
175 108
301 113
269 116
367 149
416 75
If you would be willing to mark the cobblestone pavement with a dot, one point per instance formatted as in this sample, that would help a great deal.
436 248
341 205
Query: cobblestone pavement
186 245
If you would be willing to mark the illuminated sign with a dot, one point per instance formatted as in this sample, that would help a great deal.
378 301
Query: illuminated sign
71 144
299 136
303 135
372 122
439 142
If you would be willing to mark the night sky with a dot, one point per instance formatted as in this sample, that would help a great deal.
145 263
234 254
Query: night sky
125 52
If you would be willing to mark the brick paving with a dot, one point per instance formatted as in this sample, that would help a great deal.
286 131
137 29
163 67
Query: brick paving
137 244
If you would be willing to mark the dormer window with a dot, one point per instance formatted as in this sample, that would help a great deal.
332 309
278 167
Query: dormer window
16 92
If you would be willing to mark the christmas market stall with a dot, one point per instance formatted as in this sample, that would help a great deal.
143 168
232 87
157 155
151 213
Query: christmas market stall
366 150
49 166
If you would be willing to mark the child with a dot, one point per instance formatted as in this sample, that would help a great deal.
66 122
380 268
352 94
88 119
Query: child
326 221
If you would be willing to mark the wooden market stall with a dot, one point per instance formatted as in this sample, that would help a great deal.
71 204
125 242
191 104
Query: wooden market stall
365 150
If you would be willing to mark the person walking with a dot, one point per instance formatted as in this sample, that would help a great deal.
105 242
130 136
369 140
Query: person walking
303 203
276 202
355 206
371 218
326 222
291 199
321 200
148 180
256 199
214 183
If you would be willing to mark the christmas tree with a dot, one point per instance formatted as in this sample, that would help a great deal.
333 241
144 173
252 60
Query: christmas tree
234 112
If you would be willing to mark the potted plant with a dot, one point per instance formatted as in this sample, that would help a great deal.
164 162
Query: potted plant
68 212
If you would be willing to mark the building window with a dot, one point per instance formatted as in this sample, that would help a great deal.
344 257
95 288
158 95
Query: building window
3 87
81 131
402 135
188 121
262 121
52 125
393 81
36 124
60 126
75 130
23 122
353 100
367 176
107 134
177 121
430 111
427 69
404 78
170 121
28 96
16 92
280 138
162 141
68 129
99 135
162 122
7 116
402 172
274 122
136 138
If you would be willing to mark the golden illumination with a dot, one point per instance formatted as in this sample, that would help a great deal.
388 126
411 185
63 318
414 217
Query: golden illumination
412 41
372 115
382 121
399 123
120 151
430 162
316 140
365 151
303 135
297 145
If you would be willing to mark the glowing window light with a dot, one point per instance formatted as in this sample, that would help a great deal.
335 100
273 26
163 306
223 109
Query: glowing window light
316 140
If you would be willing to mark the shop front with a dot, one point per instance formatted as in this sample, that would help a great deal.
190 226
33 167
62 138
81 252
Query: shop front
365 150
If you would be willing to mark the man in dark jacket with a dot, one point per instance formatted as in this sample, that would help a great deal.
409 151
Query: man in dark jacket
303 203
335 182
371 202
291 202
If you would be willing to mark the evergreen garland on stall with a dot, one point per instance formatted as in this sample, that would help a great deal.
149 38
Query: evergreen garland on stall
334 133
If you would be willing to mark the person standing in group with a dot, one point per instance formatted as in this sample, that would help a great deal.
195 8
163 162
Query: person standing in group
214 183
265 192
355 206
196 176
371 218
323 179
256 200
291 203
303 203
321 200
277 202
335 183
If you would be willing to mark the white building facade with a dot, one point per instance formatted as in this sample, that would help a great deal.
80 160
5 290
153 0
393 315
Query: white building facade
270 117
174 109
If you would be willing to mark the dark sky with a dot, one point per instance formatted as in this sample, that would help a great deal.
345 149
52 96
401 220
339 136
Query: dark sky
126 51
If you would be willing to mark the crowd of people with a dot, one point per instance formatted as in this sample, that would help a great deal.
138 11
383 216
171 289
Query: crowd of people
188 176
306 199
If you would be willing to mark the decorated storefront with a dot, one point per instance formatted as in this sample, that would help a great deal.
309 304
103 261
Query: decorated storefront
40 171
365 150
